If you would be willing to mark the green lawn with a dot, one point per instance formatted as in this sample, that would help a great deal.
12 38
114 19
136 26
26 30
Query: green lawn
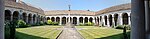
91 32
40 32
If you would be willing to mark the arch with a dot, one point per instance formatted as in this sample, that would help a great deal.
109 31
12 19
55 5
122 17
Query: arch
48 18
86 20
7 15
24 16
15 15
53 19
110 20
125 18
100 18
115 19
57 19
105 20
63 20
91 19
29 18
81 19
34 18
75 20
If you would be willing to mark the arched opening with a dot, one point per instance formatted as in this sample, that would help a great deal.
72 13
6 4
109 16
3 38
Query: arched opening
48 18
110 20
98 20
57 19
75 20
81 19
15 16
91 19
125 18
53 19
29 18
115 19
86 20
64 20
105 20
34 19
7 15
24 16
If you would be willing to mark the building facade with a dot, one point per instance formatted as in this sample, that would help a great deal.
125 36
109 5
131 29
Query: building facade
112 16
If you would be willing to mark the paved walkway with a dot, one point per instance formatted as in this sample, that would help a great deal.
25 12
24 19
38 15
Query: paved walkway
70 33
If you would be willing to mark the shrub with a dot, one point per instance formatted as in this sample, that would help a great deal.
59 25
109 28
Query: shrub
49 22
10 29
81 24
41 23
89 24
21 24
128 27
55 23
119 27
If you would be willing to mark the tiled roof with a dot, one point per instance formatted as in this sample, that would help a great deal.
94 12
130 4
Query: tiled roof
115 8
23 6
60 12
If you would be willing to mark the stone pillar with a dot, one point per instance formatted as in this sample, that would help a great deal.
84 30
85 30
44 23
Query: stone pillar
31 20
60 21
83 20
26 19
103 20
2 19
129 20
138 20
120 22
147 15
93 20
108 23
113 20
78 21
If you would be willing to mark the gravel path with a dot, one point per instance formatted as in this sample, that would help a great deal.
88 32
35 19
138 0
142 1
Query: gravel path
70 33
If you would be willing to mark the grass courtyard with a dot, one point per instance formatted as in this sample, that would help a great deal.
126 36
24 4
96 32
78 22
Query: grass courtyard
40 32
51 32
91 32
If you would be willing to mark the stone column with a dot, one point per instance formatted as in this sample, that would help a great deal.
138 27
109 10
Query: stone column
26 19
78 21
83 20
120 22
88 19
93 20
147 15
113 20
60 22
31 20
129 20
103 20
2 19
108 23
138 20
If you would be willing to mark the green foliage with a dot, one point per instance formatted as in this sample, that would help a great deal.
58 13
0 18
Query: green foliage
89 24
21 24
49 22
10 29
81 24
120 27
55 23
41 23
128 27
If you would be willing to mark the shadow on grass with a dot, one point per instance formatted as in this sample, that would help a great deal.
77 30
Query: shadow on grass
117 36
20 35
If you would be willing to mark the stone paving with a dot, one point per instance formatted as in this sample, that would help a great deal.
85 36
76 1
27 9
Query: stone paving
70 33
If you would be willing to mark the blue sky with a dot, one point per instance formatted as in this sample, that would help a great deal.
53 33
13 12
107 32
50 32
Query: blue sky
92 5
